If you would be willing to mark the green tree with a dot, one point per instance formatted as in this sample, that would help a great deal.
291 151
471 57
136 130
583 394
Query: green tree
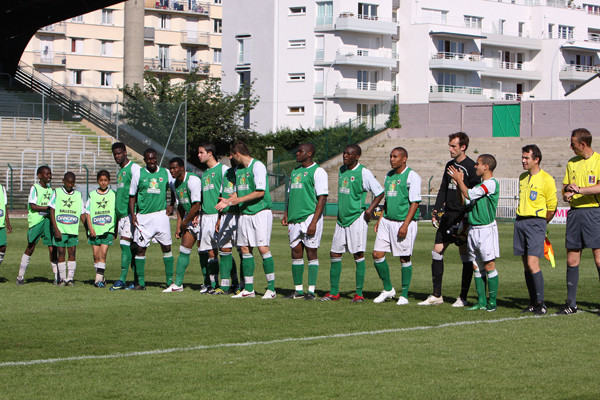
394 120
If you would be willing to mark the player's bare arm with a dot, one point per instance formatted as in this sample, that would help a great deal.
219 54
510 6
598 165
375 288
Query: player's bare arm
312 227
57 233
458 177
132 210
412 210
375 203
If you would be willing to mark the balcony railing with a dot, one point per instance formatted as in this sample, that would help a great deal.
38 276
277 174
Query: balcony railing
449 21
49 58
382 53
168 65
455 89
195 38
374 86
594 37
319 54
59 27
457 56
199 8
350 14
582 68
507 65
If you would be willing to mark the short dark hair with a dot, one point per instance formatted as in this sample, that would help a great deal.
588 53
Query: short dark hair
309 146
401 150
583 136
210 148
463 139
489 160
354 147
149 151
240 148
103 172
177 160
535 152
118 145
41 168
69 175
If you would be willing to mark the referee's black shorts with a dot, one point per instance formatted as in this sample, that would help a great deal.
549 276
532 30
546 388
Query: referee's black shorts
448 220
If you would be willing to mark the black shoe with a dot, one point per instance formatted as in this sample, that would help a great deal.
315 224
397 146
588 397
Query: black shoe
20 281
310 296
540 309
567 309
138 287
295 296
530 308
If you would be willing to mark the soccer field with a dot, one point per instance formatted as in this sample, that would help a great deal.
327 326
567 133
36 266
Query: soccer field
83 342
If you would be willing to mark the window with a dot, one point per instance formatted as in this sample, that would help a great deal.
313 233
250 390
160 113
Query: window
244 47
106 48
319 47
164 22
297 44
296 110
550 31
446 79
78 18
450 49
565 32
76 46
217 53
218 26
76 77
298 10
521 29
473 22
318 114
106 79
367 80
325 13
592 9
107 17
319 74
501 26
163 57
367 11
106 109
296 77
217 1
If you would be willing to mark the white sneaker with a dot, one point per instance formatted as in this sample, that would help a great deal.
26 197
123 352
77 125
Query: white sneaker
203 289
432 301
269 294
384 295
243 294
402 301
173 288
459 303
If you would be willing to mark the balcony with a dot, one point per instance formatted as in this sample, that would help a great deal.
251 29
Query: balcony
457 61
60 28
382 58
194 38
590 43
347 21
170 66
49 59
452 27
178 7
513 40
511 70
455 93
574 72
379 91
149 34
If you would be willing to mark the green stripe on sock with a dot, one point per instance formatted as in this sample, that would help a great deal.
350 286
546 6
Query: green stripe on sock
383 270
334 277
248 265
125 261
360 276
169 261
406 278
182 262
225 266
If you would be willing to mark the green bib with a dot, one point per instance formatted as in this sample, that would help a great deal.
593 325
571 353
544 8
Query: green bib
396 196
351 195
303 196
182 192
152 191
245 185
102 212
67 209
483 212
43 198
123 183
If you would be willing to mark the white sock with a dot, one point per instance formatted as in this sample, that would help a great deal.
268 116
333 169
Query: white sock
62 271
71 265
54 265
24 263
1 257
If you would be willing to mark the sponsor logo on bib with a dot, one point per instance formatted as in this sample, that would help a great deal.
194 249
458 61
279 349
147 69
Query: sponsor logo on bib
102 220
67 219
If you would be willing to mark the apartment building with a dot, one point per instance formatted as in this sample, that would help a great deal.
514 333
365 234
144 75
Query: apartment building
86 53
312 63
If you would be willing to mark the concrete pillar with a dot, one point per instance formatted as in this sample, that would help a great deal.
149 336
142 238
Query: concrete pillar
133 42
270 158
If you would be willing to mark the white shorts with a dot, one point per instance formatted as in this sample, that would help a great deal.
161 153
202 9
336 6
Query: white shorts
226 238
153 226
351 239
208 234
387 238
297 233
255 230
193 229
483 242
124 227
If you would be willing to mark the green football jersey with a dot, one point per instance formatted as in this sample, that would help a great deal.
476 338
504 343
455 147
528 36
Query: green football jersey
397 194
40 196
302 200
101 208
483 202
351 195
2 207
68 208
246 184
152 189
187 191
212 180
123 183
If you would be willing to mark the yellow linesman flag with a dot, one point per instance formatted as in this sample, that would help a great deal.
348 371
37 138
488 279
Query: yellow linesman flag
549 252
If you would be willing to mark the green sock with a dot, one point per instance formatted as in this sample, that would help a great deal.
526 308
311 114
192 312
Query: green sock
182 262
313 273
406 278
269 268
480 286
383 270
360 275
213 271
225 266
204 267
168 261
125 261
298 274
140 265
248 265
334 276
493 286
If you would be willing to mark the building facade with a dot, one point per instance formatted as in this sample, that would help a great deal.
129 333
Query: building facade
86 53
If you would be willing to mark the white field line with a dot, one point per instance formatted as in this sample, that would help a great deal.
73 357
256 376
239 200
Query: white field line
266 342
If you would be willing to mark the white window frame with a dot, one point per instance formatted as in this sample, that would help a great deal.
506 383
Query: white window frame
296 77
76 75
472 21
217 56
106 48
295 110
297 11
78 45
367 11
566 32
78 18
106 79
297 44
217 25
107 17
244 50
164 22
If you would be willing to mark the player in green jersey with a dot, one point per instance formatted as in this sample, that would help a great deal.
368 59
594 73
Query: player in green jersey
187 188
148 193
482 239
66 211
100 212
354 181
304 218
397 226
124 227
38 218
4 222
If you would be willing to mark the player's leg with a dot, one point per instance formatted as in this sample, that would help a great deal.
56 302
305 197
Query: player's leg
183 260
467 274
159 227
128 251
225 270
248 270
437 272
96 255
313 272
25 258
356 238
338 246
297 252
382 246
492 280
100 281
71 263
529 283
269 270
61 252
168 261
140 264
574 245
213 267
361 268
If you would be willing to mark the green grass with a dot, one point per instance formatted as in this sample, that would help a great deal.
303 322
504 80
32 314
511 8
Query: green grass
544 357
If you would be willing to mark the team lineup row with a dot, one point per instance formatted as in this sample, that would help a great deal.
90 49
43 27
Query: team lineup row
231 207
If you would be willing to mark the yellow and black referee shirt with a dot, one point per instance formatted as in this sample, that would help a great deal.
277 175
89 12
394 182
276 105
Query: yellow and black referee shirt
537 194
584 173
